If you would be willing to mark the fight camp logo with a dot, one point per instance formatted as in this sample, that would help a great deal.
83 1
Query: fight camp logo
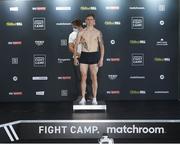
137 22
109 23
39 23
63 8
82 8
137 59
14 24
112 7
39 60
14 60
137 42
13 9
162 42
38 8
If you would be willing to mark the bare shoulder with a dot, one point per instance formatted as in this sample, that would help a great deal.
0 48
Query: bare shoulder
97 31
81 32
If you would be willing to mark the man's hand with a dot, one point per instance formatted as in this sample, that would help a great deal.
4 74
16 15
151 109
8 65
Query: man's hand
76 62
100 63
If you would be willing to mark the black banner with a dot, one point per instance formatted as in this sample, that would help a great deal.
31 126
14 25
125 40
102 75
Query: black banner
35 130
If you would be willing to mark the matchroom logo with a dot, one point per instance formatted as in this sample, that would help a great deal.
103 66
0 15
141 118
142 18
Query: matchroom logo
39 23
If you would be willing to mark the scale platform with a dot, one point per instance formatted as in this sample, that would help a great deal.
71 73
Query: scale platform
101 106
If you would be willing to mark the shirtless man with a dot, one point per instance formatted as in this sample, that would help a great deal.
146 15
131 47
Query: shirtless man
92 56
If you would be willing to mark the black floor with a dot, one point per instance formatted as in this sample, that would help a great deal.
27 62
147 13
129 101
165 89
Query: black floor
63 110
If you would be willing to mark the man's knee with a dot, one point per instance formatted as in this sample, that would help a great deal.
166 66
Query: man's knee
93 76
83 76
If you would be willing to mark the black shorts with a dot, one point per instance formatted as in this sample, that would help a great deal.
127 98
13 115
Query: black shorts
89 57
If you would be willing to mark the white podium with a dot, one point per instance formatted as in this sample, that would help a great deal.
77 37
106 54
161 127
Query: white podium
101 106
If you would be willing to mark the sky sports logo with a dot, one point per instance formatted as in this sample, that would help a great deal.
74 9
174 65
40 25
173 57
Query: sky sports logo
39 8
15 43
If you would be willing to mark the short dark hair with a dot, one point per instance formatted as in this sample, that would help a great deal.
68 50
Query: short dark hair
77 22
90 15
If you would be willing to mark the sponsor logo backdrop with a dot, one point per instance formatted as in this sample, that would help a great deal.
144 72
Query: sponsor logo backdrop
141 49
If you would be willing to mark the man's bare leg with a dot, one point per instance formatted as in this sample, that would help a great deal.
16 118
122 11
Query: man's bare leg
93 71
83 69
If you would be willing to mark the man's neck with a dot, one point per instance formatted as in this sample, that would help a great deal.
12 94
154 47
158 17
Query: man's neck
80 28
90 28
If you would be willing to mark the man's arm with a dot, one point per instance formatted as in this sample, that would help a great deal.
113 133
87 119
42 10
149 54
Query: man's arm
101 46
75 48
71 40
71 47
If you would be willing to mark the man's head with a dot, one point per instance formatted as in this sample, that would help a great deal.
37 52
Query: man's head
90 20
76 24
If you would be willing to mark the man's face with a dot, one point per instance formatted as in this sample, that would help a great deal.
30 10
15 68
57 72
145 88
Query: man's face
74 26
90 21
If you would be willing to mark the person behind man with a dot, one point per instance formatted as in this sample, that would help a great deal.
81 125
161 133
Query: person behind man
92 55
77 27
